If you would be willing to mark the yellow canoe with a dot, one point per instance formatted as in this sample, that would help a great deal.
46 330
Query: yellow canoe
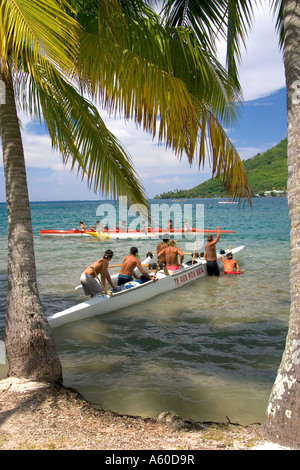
100 235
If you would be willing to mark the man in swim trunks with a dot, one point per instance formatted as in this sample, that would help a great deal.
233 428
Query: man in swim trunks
89 278
129 264
170 254
230 265
211 254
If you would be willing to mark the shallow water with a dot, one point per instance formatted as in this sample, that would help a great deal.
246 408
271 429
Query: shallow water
208 350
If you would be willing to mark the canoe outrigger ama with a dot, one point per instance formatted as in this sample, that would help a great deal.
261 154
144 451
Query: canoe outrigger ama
127 234
134 292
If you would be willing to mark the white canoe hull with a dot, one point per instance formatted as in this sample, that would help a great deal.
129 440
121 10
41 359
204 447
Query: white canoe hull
102 304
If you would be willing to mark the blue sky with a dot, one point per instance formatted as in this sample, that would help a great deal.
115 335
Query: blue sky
262 125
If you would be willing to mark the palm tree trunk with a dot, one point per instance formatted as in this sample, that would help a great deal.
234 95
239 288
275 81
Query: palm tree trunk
283 416
29 343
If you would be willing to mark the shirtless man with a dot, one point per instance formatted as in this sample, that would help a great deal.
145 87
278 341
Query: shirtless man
211 254
144 228
171 253
129 264
89 277
160 246
230 265
98 226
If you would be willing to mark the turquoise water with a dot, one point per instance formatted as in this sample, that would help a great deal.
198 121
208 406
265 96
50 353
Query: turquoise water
209 350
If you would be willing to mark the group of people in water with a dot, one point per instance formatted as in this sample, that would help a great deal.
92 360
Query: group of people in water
169 257
123 228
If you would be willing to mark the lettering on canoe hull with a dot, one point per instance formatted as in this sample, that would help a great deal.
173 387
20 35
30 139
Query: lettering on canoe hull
186 277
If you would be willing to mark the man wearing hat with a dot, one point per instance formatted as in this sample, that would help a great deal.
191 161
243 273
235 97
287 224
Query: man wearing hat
211 254
129 264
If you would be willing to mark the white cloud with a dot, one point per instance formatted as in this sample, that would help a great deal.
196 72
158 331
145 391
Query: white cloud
38 151
247 152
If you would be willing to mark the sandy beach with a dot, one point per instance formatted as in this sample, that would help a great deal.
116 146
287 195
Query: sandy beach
34 416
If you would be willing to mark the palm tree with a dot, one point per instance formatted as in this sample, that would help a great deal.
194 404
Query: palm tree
233 18
132 63
282 423
29 343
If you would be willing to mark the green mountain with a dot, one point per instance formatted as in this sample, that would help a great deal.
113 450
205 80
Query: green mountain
265 172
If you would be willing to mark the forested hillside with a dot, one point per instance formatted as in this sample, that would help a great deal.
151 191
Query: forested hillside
265 172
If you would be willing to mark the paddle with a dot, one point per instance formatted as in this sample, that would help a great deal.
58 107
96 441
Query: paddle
204 231
110 293
215 231
101 283
194 253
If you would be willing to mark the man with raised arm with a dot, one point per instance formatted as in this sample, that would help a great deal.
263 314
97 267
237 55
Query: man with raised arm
211 254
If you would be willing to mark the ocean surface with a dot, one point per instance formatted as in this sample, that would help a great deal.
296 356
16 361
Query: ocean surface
208 351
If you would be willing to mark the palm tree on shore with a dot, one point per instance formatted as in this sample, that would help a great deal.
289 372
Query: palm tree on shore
232 19
51 52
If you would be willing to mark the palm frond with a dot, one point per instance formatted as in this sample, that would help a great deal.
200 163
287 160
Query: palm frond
226 162
163 80
277 6
239 20
78 132
209 19
37 31
148 72
202 17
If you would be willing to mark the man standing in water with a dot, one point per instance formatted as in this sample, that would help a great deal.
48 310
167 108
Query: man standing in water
211 254
171 254
89 278
161 245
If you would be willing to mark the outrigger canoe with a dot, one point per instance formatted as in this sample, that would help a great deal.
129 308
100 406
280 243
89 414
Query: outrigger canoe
134 292
126 234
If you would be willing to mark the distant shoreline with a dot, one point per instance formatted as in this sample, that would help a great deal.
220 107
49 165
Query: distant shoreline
181 199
